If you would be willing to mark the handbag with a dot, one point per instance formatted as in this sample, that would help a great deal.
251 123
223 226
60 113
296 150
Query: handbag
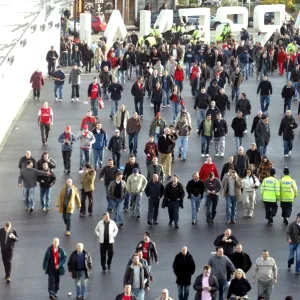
101 103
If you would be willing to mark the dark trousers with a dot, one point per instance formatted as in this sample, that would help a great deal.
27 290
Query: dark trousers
36 93
109 249
133 142
51 68
211 207
156 108
45 128
139 106
222 288
153 206
67 219
53 283
116 158
173 210
286 208
88 66
7 255
271 209
75 91
83 198
67 159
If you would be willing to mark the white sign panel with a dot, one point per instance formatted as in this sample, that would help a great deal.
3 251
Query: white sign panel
164 20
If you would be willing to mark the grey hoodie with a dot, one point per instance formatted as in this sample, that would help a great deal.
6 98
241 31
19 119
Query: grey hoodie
74 77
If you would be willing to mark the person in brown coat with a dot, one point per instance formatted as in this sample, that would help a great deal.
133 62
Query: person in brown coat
66 201
264 168
37 82
133 128
88 187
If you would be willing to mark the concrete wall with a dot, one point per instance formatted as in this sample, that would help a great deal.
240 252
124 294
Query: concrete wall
14 78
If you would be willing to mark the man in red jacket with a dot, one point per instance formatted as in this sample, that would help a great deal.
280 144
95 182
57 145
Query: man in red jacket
45 120
94 92
114 64
281 58
89 120
207 168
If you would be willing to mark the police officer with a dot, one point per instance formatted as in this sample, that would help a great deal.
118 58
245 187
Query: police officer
196 34
270 191
288 193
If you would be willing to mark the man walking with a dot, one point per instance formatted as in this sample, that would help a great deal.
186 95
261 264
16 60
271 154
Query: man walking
106 230
156 168
201 105
263 134
59 81
99 146
184 268
51 59
265 89
220 130
8 237
244 106
138 92
239 126
80 267
287 94
127 293
240 259
206 131
133 128
94 92
75 80
265 270
45 121
53 265
116 145
183 129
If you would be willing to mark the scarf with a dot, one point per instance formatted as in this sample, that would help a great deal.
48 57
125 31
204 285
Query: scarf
85 134
55 256
67 135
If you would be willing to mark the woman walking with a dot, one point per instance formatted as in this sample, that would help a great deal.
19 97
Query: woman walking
239 286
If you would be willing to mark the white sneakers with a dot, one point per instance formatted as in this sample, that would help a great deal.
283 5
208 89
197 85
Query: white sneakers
202 155
206 154
217 154
56 99
77 99
222 154
72 100
152 105
286 155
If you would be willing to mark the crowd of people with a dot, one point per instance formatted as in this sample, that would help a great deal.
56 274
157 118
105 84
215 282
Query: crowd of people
210 71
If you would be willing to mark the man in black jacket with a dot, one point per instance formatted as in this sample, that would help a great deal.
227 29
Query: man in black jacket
254 156
220 130
127 293
227 241
94 92
116 145
263 134
197 84
8 237
184 268
80 266
286 129
240 259
201 105
255 121
115 90
222 102
265 89
243 105
51 58
23 161
287 93
138 92
293 237
295 77
239 126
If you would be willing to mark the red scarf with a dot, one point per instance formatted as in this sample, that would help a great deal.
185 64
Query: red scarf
85 134
55 256
67 135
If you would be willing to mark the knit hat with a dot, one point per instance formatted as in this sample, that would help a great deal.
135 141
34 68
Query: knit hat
85 126
272 172
68 128
135 170
286 171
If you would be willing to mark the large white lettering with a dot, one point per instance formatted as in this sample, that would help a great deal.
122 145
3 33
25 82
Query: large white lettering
145 21
297 23
164 20
242 12
86 28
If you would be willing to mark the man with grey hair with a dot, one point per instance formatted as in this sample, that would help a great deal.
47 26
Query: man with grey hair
241 161
79 267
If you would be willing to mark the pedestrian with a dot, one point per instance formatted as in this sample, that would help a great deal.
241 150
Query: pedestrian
133 128
28 180
221 265
249 185
37 82
264 168
293 237
23 160
157 98
288 66
99 146
87 57
116 192
138 92
206 285
236 80
136 184
80 267
94 93
127 293
195 191
8 238
241 161
227 166
45 121
116 91
59 81
154 191
156 168
270 192
231 187
106 230
207 168
135 276
66 201
240 259
220 130
76 57
254 156
206 131
120 120
239 126
157 127
51 59
263 134
122 69
212 110
173 199
49 160
213 90
265 270
200 106
287 94
75 81
86 139
89 120
67 138
106 80
265 89
286 129
239 286
165 295
167 83
53 265
243 105
222 102
255 121
148 247
288 193
46 183
212 186
175 98
227 241
116 145
184 267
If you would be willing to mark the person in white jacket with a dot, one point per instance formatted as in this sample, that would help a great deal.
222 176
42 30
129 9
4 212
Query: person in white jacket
136 184
249 185
106 230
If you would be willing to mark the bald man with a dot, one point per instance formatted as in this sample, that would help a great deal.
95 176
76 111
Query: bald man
227 241
80 266
53 265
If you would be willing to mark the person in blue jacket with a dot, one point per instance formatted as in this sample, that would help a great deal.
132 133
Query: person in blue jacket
99 146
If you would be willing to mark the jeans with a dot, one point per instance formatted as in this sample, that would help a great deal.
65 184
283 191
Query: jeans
45 129
75 91
244 69
183 292
235 92
139 106
136 203
287 146
182 143
220 145
201 115
292 249
67 159
67 219
106 248
53 283
173 210
238 141
122 76
110 204
94 107
264 103
166 97
153 206
81 284
84 157
222 287
287 76
114 107
286 103
195 204
175 109
179 84
295 88
133 142
98 157
118 209
28 194
230 207
64 59
58 87
126 201
264 288
45 197
205 144
138 293
263 149
211 206
188 67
